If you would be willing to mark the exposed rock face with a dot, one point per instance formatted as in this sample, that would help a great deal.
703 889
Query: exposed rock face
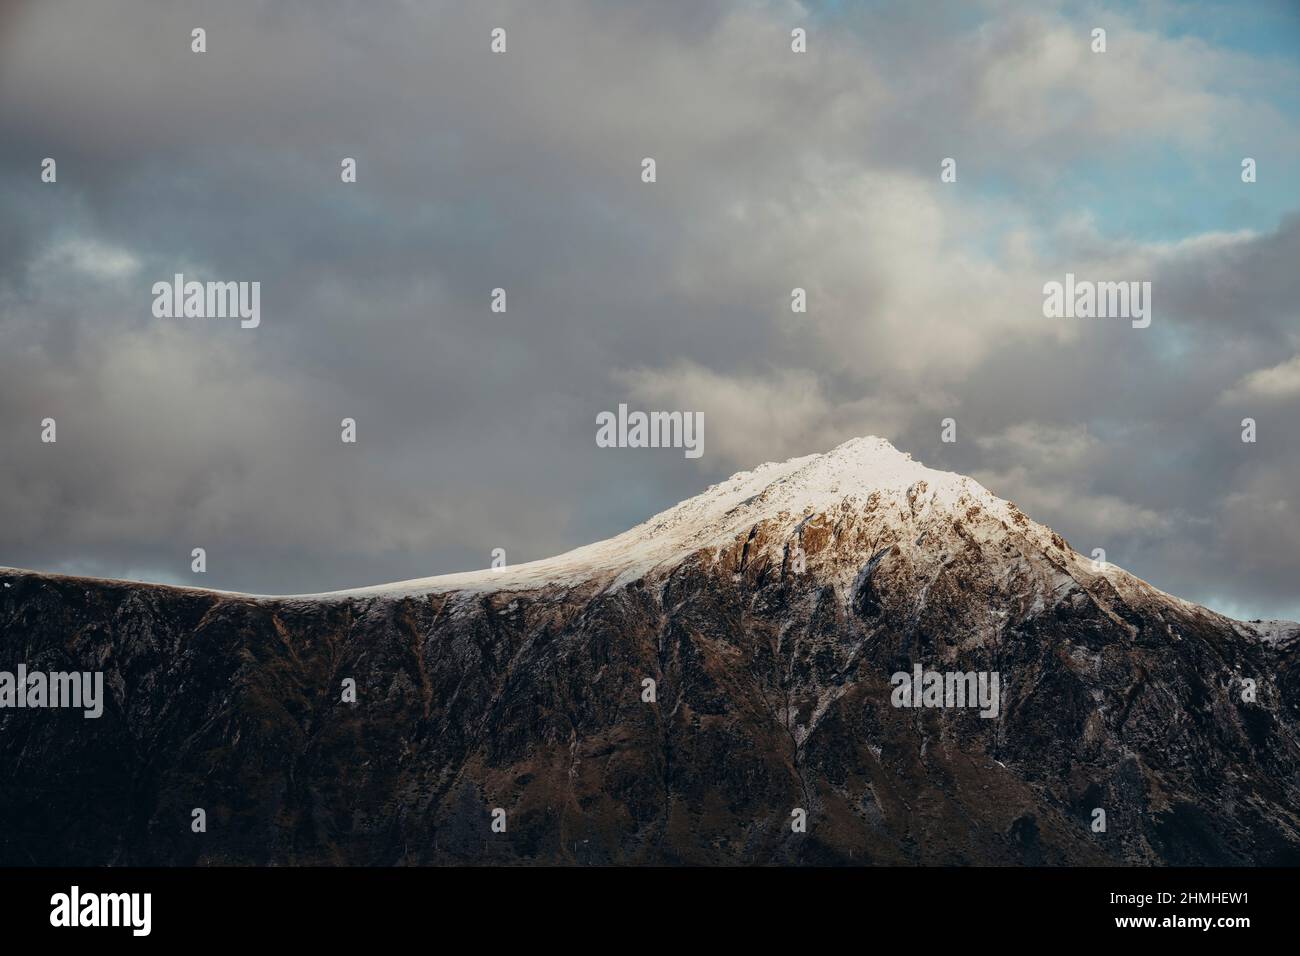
523 690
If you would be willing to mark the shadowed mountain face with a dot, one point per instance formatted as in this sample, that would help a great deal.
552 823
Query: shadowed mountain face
770 613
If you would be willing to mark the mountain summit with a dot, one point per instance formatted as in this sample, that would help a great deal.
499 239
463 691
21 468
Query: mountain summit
862 503
677 694
781 498
774 492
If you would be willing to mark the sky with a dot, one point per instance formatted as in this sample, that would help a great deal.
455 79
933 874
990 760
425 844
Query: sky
522 170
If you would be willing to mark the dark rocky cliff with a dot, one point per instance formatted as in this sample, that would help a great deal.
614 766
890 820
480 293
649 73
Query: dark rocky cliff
773 694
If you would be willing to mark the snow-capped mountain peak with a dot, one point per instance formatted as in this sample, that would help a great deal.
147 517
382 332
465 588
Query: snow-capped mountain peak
860 473
852 470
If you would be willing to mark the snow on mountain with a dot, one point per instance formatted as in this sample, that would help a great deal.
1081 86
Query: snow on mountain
884 494
1271 632
851 509
902 500
786 492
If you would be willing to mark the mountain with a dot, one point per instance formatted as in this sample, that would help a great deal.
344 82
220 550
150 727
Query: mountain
771 612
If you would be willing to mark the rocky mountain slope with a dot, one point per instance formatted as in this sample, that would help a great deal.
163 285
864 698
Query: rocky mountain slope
770 613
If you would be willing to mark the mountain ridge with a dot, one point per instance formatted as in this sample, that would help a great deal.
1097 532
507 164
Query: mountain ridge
670 711
796 489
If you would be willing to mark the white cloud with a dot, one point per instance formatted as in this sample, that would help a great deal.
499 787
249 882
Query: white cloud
93 258
776 170
1278 383
1049 471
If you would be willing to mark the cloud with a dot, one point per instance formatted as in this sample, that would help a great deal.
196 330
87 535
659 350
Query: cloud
1278 383
1051 470
521 171
1260 528
751 418
98 260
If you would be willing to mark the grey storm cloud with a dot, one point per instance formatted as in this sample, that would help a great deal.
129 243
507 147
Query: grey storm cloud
522 171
